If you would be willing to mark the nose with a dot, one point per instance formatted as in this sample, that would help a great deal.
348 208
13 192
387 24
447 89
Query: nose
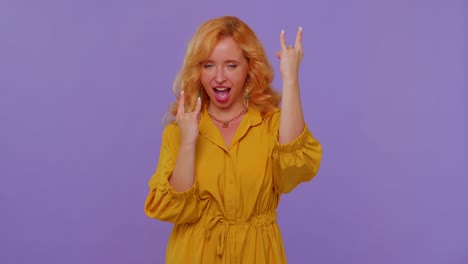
220 75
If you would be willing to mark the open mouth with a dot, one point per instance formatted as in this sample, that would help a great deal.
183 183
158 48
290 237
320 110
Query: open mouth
222 93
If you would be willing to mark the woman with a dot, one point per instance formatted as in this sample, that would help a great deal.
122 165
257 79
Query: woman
231 153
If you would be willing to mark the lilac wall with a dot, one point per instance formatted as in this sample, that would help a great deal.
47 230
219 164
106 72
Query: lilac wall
84 84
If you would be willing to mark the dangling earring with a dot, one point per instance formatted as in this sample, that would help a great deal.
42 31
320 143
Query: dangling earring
246 97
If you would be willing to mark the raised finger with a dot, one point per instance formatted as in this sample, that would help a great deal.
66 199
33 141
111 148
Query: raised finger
298 43
180 107
198 106
283 40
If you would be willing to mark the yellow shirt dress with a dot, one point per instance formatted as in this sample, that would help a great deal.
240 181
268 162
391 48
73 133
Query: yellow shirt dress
229 214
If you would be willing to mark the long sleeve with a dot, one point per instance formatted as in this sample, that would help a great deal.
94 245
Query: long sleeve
163 202
295 162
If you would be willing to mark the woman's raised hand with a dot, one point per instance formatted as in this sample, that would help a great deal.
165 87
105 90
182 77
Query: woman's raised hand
290 56
188 121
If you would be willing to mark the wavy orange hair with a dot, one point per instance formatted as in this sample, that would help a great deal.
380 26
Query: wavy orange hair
260 73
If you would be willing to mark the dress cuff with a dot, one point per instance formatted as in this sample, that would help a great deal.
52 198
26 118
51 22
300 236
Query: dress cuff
167 189
296 144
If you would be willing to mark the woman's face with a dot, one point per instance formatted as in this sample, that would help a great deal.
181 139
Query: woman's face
223 76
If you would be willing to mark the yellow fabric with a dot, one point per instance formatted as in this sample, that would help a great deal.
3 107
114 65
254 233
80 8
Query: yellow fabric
229 214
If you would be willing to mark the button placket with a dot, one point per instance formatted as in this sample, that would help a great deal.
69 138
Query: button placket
231 190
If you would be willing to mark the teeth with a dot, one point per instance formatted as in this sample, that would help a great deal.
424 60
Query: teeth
221 89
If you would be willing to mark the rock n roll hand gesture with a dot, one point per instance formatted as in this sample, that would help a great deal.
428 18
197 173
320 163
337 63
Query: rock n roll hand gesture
290 56
188 121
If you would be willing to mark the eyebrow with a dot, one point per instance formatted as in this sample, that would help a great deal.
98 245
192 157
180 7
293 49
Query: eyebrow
227 61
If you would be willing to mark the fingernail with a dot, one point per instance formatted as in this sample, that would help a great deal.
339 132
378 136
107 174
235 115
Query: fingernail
199 98
300 28
282 31
182 92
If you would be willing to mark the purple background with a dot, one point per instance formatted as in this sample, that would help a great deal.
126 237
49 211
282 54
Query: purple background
84 85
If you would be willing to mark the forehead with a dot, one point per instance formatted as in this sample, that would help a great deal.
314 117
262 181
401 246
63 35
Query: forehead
227 49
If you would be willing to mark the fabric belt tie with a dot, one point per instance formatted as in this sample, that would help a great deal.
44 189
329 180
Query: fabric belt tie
222 234
257 221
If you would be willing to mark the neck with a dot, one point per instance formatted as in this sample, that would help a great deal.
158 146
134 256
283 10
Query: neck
226 114
225 122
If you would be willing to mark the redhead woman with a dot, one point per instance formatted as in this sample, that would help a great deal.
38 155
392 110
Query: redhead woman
230 152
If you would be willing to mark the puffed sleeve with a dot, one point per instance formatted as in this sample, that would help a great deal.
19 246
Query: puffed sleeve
163 202
295 162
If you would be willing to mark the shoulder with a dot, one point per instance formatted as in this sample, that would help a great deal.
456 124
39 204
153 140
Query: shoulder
272 118
171 130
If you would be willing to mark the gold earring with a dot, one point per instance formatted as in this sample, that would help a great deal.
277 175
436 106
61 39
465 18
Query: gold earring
246 97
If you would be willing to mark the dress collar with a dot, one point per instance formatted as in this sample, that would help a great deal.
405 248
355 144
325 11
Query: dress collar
209 130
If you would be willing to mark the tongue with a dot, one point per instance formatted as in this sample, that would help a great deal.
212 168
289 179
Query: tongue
222 96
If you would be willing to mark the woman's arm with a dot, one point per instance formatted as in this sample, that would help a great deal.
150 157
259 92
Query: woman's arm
183 176
292 118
